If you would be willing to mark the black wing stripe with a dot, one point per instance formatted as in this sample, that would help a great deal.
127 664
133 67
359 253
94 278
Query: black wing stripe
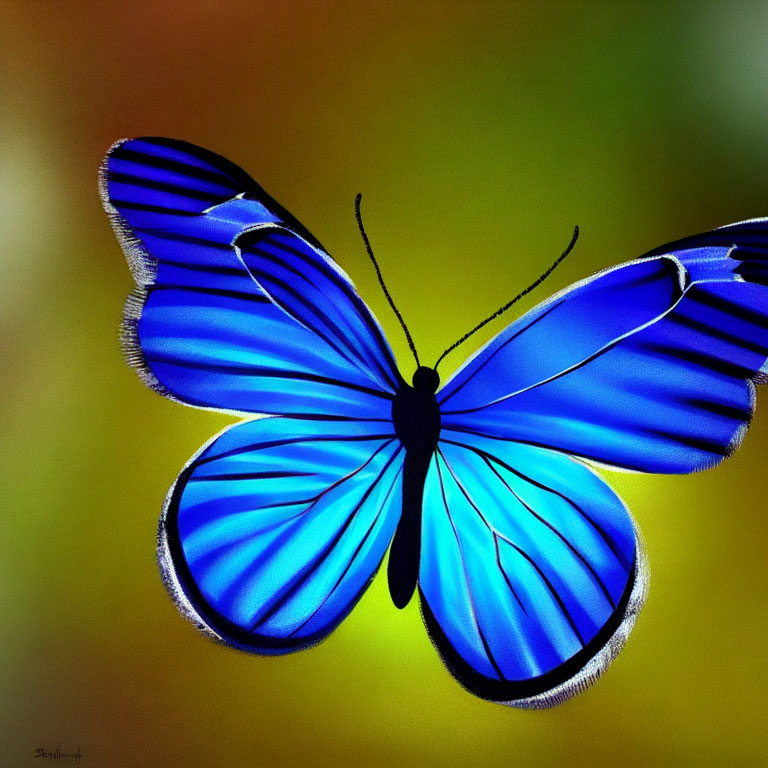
267 475
130 205
708 299
719 409
178 237
260 371
698 358
258 298
692 441
332 417
205 268
340 283
257 562
716 333
164 163
252 448
552 590
504 574
163 186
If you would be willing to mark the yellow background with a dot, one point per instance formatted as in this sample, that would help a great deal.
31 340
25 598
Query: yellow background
479 134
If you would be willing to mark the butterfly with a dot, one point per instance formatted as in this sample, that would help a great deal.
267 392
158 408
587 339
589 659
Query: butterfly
529 570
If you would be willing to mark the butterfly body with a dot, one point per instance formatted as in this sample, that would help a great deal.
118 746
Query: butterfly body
416 418
528 568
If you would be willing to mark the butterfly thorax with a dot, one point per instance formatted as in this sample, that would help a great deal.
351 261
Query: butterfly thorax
416 416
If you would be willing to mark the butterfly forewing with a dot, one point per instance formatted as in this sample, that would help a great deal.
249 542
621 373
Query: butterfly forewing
199 328
672 394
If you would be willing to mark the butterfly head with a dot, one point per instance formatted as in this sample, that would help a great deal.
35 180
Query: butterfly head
426 380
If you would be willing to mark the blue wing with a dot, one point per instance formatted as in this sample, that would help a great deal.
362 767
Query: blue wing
648 366
276 527
213 322
531 574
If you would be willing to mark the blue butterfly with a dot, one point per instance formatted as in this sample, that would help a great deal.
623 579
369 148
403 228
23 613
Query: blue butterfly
529 569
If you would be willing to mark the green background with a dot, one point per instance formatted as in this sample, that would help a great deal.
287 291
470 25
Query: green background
479 134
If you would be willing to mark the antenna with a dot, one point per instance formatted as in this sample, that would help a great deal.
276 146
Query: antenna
381 279
517 298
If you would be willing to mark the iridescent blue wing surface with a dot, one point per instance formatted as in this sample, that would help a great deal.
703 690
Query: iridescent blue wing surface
531 573
211 323
648 366
276 527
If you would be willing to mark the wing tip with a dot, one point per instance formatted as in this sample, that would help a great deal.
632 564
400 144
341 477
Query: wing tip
142 265
221 164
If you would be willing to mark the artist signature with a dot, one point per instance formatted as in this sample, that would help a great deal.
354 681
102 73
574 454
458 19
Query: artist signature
60 754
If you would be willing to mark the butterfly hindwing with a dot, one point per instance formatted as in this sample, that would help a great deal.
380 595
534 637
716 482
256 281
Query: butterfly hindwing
648 366
531 573
199 328
276 527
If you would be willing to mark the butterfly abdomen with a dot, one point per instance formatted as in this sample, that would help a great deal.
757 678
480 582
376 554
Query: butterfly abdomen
416 416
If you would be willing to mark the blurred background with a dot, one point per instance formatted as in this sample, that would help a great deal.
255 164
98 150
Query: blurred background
479 135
